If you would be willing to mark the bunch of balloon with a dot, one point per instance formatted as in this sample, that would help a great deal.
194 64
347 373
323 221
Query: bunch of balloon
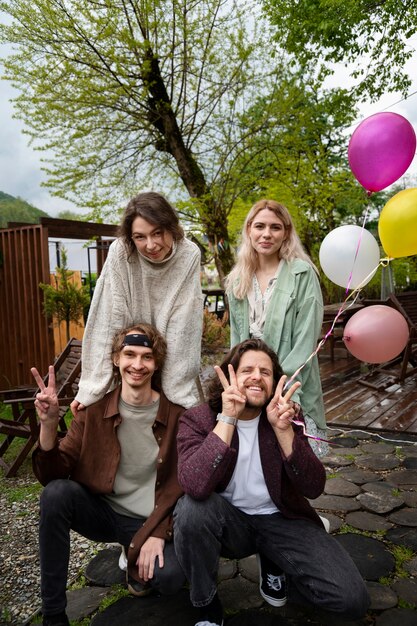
380 151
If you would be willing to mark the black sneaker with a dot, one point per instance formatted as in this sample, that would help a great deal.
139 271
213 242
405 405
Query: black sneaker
212 614
271 582
136 588
59 619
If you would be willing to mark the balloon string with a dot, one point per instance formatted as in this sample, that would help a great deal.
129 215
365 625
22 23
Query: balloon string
358 246
300 423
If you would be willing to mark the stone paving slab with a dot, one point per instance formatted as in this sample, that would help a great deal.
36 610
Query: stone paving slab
404 517
85 601
379 502
370 556
341 487
397 617
406 590
378 462
382 596
367 521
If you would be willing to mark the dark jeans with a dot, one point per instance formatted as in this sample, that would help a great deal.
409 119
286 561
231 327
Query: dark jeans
67 505
319 571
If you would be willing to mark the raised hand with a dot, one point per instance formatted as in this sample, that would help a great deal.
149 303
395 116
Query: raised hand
46 403
233 401
281 410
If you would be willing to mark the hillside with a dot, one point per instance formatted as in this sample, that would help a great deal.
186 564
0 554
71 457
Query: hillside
17 210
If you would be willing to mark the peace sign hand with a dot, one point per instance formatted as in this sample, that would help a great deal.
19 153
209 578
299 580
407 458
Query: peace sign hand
280 411
233 401
46 403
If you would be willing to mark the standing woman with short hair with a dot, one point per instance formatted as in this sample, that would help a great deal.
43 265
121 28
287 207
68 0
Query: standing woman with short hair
152 275
274 294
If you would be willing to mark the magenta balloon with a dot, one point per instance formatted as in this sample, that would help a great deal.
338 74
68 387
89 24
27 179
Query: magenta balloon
381 150
376 334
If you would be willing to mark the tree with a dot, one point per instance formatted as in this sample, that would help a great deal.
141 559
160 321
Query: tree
124 92
374 36
300 158
65 301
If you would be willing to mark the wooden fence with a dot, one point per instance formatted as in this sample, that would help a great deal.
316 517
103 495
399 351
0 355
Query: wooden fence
26 336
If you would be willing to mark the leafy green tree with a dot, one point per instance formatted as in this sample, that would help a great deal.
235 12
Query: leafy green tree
65 301
375 37
128 93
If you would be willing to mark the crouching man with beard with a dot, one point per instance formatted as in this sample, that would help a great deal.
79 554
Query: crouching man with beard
247 471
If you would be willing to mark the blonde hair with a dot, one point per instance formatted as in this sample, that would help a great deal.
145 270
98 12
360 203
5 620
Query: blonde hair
239 280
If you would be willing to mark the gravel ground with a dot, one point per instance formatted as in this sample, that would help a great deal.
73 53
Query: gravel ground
19 559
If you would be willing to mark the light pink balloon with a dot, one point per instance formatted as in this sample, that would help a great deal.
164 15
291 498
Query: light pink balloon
376 334
381 150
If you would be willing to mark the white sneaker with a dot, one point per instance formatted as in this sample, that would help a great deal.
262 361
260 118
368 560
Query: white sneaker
123 560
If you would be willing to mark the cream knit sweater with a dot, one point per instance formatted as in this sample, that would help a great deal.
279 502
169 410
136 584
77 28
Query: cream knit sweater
167 295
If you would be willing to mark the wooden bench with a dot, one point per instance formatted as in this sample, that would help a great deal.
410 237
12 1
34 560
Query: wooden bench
23 422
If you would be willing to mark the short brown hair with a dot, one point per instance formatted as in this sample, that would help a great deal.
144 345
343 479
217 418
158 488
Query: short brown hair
233 357
156 210
159 349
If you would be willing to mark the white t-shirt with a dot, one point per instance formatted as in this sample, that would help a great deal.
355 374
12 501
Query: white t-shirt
247 489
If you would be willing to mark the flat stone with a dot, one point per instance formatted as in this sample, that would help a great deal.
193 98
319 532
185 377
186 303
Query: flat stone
104 571
410 462
248 568
403 537
411 566
240 593
404 517
394 617
360 477
379 503
378 462
335 503
371 557
345 451
257 618
346 442
367 521
406 479
406 590
333 460
372 447
151 610
83 602
382 596
227 569
380 487
377 448
336 522
341 487
410 498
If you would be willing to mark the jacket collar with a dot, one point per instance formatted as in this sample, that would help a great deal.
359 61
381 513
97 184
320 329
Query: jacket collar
112 406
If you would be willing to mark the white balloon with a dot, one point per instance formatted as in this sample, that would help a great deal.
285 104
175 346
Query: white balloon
338 251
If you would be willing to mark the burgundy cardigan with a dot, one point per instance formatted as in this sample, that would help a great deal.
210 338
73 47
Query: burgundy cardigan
206 463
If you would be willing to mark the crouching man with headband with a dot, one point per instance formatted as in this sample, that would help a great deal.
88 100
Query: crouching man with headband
120 458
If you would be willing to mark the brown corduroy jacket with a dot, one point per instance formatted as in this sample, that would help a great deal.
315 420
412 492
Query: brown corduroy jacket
90 455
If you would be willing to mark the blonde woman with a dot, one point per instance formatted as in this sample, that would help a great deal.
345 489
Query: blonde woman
274 295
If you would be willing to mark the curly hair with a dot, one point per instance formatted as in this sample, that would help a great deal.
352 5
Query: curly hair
156 210
159 349
233 357
239 280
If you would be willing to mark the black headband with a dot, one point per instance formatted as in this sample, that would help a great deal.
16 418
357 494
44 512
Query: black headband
136 339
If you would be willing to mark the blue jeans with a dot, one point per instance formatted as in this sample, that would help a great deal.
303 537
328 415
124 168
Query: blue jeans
66 505
319 571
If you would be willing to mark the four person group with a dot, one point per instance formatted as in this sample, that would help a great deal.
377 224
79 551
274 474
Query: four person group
175 481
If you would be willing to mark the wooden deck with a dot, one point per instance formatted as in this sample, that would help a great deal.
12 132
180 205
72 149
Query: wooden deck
385 406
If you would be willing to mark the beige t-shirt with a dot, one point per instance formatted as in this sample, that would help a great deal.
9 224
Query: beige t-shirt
134 486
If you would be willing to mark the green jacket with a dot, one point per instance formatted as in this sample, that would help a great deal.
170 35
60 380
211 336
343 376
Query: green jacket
292 328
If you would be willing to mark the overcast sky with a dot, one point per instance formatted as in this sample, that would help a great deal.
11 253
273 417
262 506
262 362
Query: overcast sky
20 166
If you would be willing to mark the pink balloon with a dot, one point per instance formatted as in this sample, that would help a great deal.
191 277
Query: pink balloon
376 334
381 150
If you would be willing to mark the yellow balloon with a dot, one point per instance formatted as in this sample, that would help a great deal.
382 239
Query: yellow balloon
397 225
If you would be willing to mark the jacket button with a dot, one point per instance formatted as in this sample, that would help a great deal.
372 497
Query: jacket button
160 461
